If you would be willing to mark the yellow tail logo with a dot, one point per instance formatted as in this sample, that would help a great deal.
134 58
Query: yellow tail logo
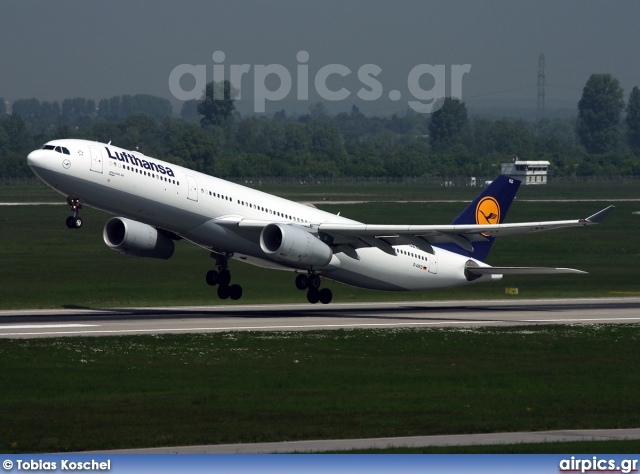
488 211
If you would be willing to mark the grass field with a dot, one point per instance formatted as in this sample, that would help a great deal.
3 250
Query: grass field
45 265
120 392
392 192
133 391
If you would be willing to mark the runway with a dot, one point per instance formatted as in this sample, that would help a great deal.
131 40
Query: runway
301 317
330 445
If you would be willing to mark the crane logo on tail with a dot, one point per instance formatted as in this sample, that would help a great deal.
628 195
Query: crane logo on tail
488 211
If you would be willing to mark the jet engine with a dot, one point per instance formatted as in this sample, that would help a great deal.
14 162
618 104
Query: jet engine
135 238
295 245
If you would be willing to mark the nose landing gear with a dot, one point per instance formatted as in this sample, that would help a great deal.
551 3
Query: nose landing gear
74 221
314 293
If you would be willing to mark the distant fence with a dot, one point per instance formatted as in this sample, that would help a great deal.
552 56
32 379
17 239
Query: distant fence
352 181
418 181
368 181
594 179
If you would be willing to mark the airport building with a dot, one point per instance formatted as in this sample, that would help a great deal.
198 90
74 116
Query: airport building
529 172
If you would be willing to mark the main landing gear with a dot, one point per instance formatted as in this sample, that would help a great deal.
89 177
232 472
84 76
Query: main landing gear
74 221
312 283
222 278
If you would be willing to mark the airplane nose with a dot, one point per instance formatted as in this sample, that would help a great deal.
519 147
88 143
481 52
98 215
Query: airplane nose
34 158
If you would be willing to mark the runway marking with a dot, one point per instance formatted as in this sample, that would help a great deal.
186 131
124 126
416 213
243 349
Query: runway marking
317 326
31 203
501 303
576 320
45 326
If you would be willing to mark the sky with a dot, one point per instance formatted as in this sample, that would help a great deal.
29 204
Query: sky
53 50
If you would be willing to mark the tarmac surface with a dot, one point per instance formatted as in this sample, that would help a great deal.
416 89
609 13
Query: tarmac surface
299 317
383 443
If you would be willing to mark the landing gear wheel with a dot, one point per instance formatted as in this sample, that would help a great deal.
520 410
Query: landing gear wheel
314 282
302 282
224 277
212 278
223 292
74 221
313 296
325 296
235 292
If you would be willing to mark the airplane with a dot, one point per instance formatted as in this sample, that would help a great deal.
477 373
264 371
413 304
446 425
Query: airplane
157 203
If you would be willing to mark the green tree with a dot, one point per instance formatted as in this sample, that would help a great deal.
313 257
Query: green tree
271 138
109 109
325 139
217 107
599 112
120 107
189 110
40 117
633 121
196 148
155 107
296 138
558 136
247 134
140 132
78 112
447 123
511 138
16 137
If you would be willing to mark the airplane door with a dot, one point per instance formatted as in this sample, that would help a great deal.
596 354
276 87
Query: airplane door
433 263
193 188
96 159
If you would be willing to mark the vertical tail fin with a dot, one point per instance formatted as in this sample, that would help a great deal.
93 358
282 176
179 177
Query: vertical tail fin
491 206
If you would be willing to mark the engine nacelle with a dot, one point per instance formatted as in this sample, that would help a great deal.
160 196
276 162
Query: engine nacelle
295 245
135 238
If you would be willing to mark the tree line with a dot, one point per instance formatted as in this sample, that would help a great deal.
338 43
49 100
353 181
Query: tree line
210 136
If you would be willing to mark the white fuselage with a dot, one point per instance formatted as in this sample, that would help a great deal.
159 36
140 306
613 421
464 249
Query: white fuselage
187 203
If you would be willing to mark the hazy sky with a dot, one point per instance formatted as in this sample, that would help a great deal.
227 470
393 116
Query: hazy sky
52 50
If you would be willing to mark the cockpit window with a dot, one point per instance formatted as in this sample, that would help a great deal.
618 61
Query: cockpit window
59 149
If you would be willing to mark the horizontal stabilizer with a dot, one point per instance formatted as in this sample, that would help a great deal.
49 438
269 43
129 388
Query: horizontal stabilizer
600 216
520 270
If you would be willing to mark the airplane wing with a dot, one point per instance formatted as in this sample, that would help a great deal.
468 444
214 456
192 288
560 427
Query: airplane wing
462 235
347 237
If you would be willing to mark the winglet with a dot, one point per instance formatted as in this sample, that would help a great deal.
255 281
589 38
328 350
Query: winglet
600 216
